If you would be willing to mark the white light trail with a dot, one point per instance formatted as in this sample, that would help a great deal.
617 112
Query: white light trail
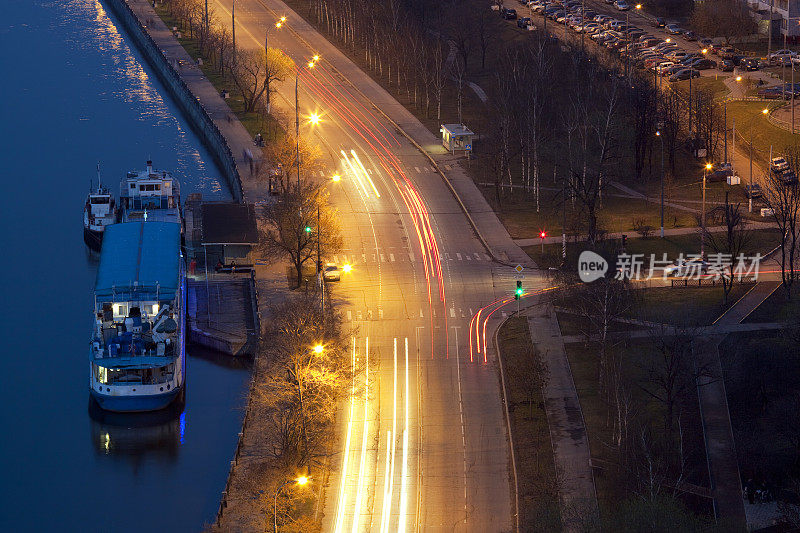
356 173
346 455
366 174
386 514
404 480
359 491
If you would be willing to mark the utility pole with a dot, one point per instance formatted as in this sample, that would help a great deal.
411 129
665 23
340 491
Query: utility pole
703 217
661 138
769 31
725 113
297 126
320 274
233 29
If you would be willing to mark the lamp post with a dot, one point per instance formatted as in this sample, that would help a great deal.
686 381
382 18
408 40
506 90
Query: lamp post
300 481
703 214
661 138
628 41
310 65
764 111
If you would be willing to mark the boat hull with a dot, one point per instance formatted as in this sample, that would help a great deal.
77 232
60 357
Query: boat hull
135 404
93 239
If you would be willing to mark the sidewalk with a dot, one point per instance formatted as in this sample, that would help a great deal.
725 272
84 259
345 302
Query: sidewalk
567 429
633 235
235 134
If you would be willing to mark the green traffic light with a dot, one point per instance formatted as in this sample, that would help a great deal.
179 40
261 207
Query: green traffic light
308 229
519 291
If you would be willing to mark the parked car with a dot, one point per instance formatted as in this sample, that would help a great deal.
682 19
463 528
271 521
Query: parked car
727 65
508 13
772 93
690 36
788 177
705 43
685 74
674 29
751 63
703 63
720 172
778 164
622 5
752 191
780 54
331 272
659 22
524 22
727 53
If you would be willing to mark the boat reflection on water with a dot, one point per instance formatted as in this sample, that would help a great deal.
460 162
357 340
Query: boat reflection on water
139 436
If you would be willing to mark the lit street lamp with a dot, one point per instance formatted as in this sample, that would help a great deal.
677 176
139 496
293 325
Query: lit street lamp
703 214
764 111
318 349
300 481
297 113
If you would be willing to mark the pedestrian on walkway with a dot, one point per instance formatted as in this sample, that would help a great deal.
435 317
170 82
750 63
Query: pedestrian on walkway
249 155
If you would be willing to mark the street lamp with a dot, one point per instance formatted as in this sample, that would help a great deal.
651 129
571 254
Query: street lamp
628 40
764 111
300 481
347 268
297 114
703 214
661 138
313 118
336 178
318 349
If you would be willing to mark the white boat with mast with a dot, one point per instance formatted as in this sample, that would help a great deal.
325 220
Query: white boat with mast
99 212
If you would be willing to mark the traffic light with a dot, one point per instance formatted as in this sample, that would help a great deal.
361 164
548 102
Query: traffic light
518 292
543 234
308 229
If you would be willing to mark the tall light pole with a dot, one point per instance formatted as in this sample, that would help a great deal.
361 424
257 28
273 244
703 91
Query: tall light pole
703 215
300 481
628 41
661 138
764 111
297 114
233 29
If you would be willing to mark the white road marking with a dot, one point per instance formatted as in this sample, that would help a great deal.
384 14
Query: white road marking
459 256
467 257
383 259
477 257
417 169
349 315
380 313
420 313
452 312
391 258
411 257
487 257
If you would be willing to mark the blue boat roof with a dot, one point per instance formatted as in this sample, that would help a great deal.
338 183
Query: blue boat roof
139 261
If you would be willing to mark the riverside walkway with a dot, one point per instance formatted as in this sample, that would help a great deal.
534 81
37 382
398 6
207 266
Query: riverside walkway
237 137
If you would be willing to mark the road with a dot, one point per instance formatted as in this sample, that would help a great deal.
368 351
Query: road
426 448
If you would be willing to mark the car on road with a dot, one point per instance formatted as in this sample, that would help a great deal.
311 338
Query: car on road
686 268
622 5
727 65
727 53
705 43
659 22
751 63
508 13
685 74
331 272
524 22
752 191
674 29
690 36
788 177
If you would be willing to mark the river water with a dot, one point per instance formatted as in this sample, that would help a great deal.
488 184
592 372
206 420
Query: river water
73 92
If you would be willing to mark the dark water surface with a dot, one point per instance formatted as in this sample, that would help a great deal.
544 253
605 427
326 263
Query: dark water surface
73 91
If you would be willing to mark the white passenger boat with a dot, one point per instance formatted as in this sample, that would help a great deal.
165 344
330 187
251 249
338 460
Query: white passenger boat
153 195
137 359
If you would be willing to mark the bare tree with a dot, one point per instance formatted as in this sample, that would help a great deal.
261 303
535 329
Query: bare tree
723 18
297 223
784 201
728 245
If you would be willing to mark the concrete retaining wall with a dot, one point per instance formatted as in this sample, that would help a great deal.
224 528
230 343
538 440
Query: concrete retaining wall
195 113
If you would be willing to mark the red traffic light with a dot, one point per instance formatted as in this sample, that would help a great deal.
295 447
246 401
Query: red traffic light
543 234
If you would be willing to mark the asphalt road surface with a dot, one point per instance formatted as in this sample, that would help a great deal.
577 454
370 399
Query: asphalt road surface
426 449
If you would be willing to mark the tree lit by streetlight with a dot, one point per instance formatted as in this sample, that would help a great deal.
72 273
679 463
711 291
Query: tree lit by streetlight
318 348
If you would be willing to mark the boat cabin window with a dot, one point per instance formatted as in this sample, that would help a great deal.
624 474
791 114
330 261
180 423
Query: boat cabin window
150 187
133 185
100 200
120 311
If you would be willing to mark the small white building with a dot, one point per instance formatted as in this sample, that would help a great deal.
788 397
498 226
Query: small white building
457 137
